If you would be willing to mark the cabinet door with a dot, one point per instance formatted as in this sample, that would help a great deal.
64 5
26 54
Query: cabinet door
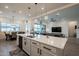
28 46
44 53
24 44
34 51
47 50
35 48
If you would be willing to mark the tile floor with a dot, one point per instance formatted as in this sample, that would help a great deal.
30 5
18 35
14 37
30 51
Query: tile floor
71 48
6 46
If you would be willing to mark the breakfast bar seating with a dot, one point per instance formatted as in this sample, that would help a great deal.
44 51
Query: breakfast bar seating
11 36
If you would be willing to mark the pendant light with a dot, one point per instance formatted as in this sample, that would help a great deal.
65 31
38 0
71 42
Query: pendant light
42 10
36 21
13 26
13 18
27 24
46 16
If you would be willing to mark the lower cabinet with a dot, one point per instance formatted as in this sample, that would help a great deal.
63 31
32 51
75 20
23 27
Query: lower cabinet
26 45
34 51
35 48
44 53
38 52
39 49
47 50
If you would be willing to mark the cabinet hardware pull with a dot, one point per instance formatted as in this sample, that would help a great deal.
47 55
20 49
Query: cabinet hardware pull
46 48
33 42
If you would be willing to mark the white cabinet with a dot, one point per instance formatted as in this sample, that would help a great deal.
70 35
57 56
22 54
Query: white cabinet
47 50
44 53
26 45
40 49
34 51
35 48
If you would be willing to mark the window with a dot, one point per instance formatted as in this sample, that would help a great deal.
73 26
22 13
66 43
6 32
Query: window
15 27
3 26
9 27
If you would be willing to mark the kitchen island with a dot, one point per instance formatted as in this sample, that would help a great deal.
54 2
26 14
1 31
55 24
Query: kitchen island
43 45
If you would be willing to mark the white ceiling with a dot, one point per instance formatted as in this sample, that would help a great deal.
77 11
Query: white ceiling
35 10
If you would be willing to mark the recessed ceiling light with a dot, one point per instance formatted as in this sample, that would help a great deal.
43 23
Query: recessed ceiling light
6 7
0 12
42 8
20 11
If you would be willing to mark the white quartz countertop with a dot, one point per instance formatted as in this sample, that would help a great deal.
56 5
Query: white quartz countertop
57 42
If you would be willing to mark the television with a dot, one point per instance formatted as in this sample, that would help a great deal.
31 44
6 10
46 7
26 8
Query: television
56 29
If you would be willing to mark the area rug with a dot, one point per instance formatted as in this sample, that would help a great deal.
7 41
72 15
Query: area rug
17 52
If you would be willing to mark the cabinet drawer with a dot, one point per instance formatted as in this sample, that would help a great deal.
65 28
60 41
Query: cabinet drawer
34 43
48 48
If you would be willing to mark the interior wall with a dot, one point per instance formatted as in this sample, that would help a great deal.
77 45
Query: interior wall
61 23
